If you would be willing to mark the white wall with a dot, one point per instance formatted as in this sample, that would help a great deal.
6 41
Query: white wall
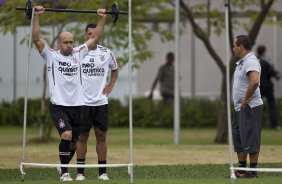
207 74
7 61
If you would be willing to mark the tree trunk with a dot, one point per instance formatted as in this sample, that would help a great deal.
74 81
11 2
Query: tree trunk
222 126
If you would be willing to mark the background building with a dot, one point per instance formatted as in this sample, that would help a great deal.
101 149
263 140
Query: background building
200 75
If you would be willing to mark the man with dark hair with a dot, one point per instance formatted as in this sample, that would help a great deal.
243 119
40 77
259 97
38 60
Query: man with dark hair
266 85
64 84
246 126
94 71
88 33
165 77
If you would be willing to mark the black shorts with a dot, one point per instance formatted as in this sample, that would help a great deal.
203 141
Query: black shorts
246 129
66 118
96 116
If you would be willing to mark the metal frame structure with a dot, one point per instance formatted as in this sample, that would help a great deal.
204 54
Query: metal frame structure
232 173
130 164
232 168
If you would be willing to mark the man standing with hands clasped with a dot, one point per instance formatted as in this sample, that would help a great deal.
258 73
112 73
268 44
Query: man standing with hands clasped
63 69
246 126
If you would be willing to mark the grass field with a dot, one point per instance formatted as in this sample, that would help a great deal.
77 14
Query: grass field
173 174
196 160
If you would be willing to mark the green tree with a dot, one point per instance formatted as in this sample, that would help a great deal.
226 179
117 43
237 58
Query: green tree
257 11
115 35
256 20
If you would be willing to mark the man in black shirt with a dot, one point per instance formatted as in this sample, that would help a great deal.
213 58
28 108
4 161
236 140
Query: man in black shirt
266 85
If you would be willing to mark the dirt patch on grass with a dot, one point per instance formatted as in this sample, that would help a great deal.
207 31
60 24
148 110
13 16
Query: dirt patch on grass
11 156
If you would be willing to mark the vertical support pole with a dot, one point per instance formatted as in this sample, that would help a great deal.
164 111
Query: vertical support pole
15 67
193 65
232 174
26 93
275 46
176 77
130 88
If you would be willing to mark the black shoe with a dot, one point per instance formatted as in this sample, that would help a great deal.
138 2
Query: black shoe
252 174
241 174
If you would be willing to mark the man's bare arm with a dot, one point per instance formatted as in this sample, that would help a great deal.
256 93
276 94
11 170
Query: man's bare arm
39 42
93 41
108 89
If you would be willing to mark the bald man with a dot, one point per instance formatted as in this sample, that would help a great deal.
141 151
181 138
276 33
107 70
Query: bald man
63 69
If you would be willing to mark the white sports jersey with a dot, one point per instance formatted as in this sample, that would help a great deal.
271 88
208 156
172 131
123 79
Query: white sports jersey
64 75
94 70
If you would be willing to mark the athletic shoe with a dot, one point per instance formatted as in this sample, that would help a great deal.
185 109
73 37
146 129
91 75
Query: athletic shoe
240 174
252 174
59 170
103 177
66 177
80 177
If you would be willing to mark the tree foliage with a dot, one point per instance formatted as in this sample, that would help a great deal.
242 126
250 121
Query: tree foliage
255 11
115 35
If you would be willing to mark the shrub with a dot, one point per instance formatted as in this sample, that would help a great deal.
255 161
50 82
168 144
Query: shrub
199 112
196 112
12 113
118 114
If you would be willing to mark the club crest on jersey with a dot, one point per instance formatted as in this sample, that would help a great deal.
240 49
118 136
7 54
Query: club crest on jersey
61 123
74 59
102 57
91 60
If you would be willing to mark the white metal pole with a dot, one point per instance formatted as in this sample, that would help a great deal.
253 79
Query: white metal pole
274 18
15 67
26 91
176 76
193 65
130 89
275 46
232 174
